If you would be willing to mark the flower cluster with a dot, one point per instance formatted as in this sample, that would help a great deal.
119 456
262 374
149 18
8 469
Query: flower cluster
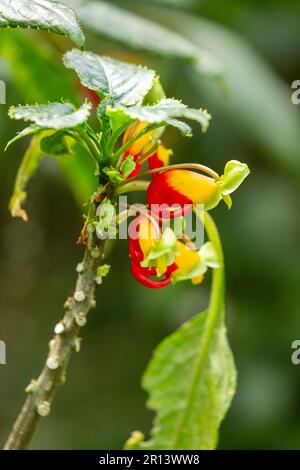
158 257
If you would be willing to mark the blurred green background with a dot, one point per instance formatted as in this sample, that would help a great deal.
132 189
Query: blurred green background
254 121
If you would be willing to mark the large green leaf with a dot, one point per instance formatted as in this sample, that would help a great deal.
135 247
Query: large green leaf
48 15
131 30
167 111
27 169
53 115
125 83
191 381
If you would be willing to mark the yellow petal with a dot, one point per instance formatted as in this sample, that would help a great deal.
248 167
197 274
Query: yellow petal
147 236
139 145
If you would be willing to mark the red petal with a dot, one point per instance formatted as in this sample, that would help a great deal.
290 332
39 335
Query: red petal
142 275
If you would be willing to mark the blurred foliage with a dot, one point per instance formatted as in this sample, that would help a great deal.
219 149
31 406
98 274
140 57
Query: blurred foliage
255 122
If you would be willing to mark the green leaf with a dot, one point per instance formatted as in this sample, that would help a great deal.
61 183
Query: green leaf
129 29
182 126
166 112
103 270
27 169
47 15
55 145
191 382
33 129
53 115
234 174
126 83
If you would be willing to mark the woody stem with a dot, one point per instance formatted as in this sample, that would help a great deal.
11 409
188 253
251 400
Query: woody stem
66 340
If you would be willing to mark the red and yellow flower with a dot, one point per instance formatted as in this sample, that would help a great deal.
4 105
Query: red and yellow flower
157 257
155 262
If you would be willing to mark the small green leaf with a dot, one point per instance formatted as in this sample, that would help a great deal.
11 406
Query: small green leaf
55 144
48 15
53 115
113 174
27 169
125 83
103 270
234 174
167 111
128 166
33 129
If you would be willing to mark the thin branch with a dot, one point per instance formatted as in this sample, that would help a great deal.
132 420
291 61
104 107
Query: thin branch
66 340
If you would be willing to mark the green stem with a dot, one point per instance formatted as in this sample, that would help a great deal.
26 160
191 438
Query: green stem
215 313
91 144
113 139
218 279
138 185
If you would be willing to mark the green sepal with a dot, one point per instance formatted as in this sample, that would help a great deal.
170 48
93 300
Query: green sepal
209 256
114 175
128 166
198 270
234 174
165 246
